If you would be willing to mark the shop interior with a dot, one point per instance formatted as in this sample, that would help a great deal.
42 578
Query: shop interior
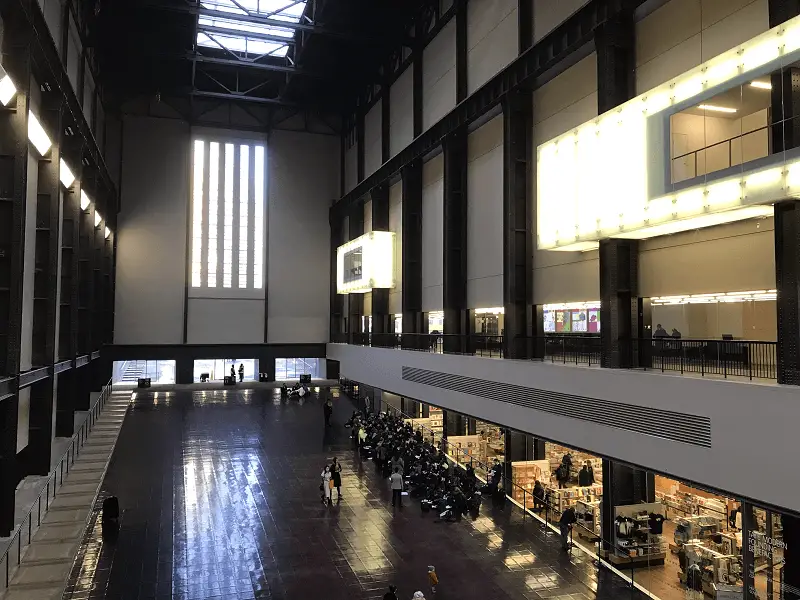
216 369
478 442
128 372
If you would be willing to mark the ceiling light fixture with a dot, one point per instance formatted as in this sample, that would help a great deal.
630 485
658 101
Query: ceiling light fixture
108 232
37 135
97 218
715 108
762 85
64 174
85 200
7 88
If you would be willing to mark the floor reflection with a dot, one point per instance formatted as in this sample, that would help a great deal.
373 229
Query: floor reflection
219 499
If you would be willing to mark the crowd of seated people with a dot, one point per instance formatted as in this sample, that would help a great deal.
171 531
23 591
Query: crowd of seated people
449 490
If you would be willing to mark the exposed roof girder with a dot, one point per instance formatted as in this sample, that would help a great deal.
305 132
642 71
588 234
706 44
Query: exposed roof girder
215 29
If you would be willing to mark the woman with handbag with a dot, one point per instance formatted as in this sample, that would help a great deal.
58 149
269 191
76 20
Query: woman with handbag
336 478
326 485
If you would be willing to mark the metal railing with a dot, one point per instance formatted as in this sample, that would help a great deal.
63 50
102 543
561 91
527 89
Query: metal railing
55 480
726 358
734 358
693 161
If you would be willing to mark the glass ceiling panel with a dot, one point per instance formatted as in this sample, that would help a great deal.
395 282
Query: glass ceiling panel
236 38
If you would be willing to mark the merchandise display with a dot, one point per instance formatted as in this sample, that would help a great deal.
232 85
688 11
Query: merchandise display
562 499
573 460
524 475
587 512
638 539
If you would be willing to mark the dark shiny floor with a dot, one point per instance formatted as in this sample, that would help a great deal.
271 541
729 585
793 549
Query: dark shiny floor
219 499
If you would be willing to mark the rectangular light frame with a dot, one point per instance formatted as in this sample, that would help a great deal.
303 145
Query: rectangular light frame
85 200
377 266
65 174
7 88
37 135
608 177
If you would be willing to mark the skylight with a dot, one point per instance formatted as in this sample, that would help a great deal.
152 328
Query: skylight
249 40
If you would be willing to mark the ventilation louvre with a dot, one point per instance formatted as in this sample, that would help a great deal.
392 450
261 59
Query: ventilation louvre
671 425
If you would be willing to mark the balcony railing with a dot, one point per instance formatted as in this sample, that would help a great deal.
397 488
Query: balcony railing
726 358
720 155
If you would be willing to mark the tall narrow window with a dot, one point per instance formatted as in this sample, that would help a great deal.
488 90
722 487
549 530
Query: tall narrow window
244 199
227 255
197 213
213 212
258 218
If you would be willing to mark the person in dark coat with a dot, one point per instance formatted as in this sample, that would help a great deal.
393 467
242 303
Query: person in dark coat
538 496
391 594
328 408
586 475
336 477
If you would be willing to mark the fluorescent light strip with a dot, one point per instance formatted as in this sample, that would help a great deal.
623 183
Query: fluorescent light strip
7 90
716 298
761 85
589 305
213 211
715 108
64 174
258 218
37 135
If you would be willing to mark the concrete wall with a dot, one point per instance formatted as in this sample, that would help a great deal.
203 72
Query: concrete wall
299 235
492 39
439 76
485 216
547 15
750 423
351 167
151 232
396 225
684 33
372 139
433 234
401 126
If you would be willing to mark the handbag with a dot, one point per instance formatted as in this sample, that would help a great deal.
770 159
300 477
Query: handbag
330 483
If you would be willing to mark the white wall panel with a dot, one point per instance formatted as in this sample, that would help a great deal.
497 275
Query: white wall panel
737 257
151 236
492 39
432 234
23 418
73 55
485 216
88 96
765 414
401 126
684 33
225 321
561 104
53 15
396 225
29 262
299 235
351 167
548 14
439 76
372 139
367 216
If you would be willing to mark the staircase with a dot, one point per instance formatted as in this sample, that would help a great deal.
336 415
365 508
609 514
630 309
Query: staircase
48 559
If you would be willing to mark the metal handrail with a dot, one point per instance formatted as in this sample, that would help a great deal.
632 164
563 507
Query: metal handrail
706 148
74 449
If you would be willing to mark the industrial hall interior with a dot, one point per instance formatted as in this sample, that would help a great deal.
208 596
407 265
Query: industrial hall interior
399 299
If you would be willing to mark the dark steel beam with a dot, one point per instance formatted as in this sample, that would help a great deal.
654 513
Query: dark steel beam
382 323
524 24
386 123
213 29
249 64
360 150
243 97
566 39
454 240
355 302
412 258
461 50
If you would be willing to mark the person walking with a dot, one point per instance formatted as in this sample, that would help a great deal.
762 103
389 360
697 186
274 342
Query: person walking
433 579
326 485
336 477
328 408
241 372
397 487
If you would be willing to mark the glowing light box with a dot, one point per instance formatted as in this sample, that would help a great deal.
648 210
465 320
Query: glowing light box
365 263
608 177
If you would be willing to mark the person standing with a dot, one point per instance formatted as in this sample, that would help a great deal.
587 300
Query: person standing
391 594
433 579
233 373
336 477
328 408
241 372
326 485
565 526
396 480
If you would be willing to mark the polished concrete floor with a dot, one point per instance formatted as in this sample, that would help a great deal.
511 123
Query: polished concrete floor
219 499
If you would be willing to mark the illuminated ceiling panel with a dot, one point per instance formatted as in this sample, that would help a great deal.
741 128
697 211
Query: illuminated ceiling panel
248 39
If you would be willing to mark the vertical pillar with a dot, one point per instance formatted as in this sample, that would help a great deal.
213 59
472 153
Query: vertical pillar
791 556
616 64
785 109
417 88
619 302
461 50
386 115
539 450
360 128
456 315
412 254
45 288
787 282
337 300
516 449
14 147
453 423
355 302
381 319
622 486
184 370
517 223
524 24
